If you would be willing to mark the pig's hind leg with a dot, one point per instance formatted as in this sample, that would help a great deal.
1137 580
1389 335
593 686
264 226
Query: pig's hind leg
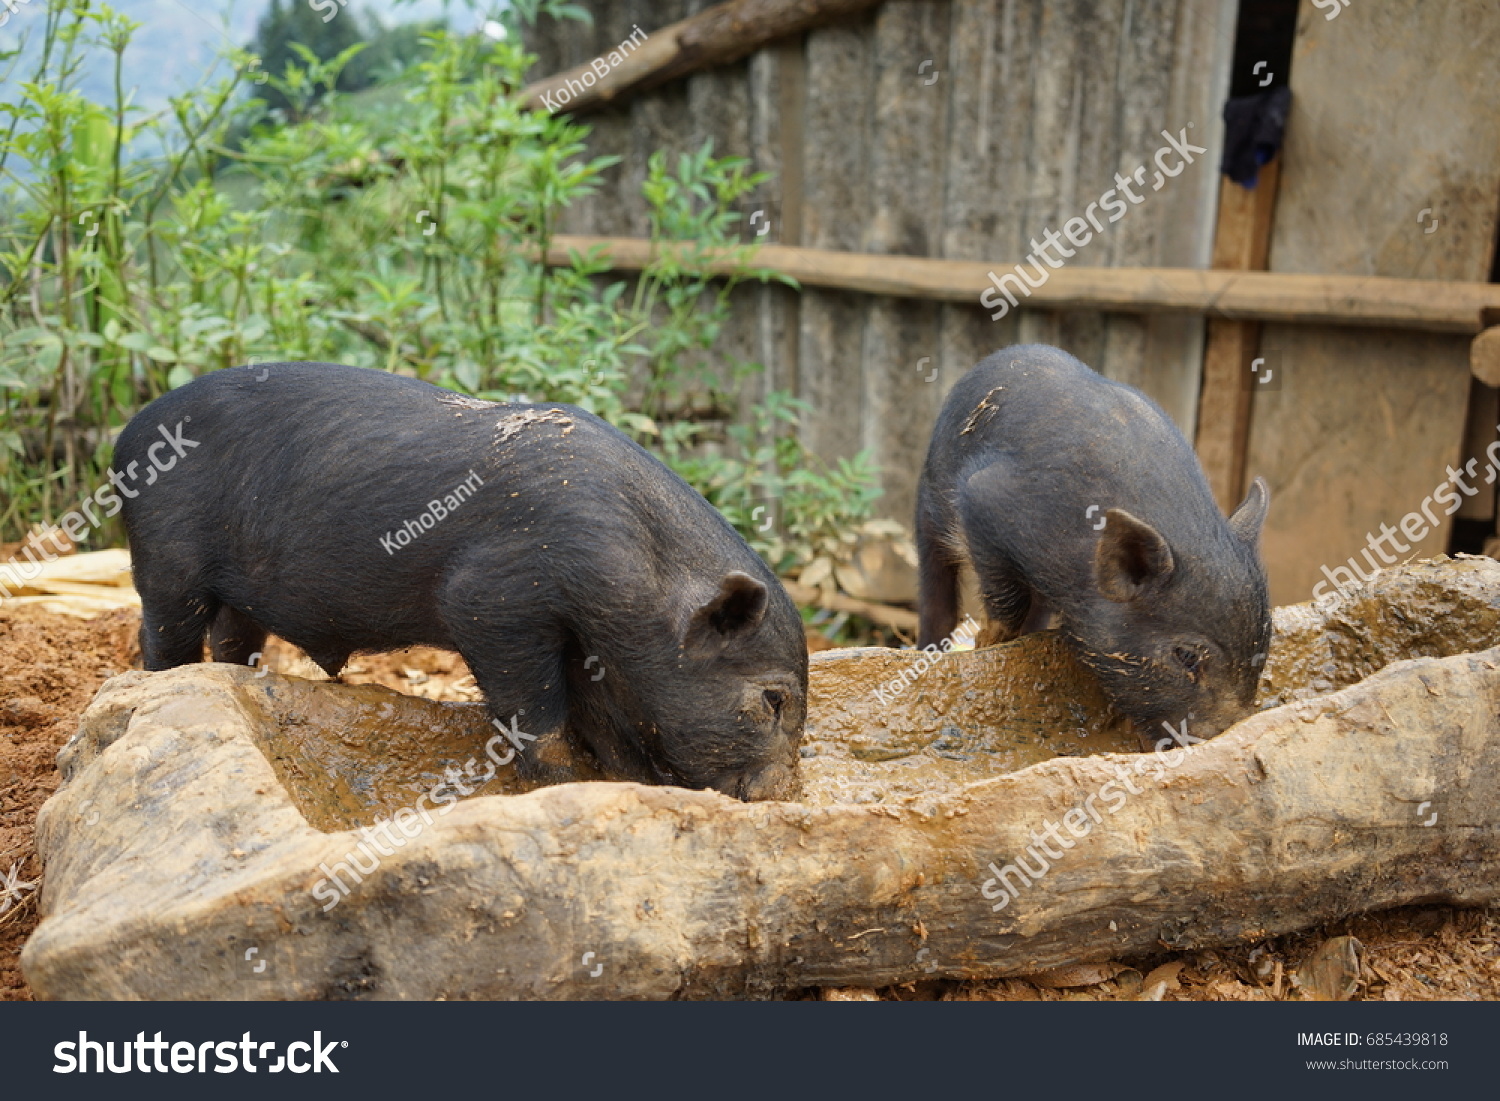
177 602
172 630
235 637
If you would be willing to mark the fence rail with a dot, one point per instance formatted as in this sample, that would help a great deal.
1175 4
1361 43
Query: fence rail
1365 301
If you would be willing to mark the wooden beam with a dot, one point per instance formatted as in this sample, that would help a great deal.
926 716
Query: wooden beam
1242 241
718 36
1356 300
809 597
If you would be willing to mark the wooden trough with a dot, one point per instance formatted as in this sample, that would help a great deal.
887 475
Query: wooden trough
202 845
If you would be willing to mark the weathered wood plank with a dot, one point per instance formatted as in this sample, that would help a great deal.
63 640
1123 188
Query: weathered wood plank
1367 424
839 115
907 155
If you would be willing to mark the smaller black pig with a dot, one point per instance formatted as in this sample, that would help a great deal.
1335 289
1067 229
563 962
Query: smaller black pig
1068 493
602 605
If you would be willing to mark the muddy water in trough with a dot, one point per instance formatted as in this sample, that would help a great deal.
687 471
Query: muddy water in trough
876 737
872 737
969 717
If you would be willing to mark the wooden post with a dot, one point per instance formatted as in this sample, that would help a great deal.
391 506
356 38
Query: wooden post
1484 417
1241 241
1479 433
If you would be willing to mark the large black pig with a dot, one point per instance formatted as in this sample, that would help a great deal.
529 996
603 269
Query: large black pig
1067 493
601 604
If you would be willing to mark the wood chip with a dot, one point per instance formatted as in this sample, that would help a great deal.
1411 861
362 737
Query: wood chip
1075 974
1331 973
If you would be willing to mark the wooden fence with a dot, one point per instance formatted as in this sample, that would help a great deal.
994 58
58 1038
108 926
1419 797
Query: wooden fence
962 130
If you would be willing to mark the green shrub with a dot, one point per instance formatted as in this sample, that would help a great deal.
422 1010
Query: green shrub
402 230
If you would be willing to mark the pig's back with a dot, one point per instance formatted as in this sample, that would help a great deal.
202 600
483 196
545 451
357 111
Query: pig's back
309 469
334 440
1058 424
1032 438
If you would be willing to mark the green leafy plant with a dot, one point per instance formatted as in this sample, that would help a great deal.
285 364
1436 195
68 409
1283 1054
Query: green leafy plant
407 228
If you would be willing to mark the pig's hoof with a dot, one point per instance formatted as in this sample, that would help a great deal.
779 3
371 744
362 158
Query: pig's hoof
992 634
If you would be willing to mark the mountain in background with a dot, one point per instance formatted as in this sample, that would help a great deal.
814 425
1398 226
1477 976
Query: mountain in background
179 41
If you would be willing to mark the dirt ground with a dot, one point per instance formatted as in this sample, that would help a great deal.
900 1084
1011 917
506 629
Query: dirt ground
50 667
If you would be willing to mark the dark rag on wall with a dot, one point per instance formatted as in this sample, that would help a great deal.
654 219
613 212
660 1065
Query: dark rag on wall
1253 129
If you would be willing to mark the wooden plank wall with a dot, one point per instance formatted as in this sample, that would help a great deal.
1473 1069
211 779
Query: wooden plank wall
1035 105
1396 110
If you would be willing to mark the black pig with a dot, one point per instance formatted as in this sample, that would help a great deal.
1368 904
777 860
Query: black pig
601 604
1068 493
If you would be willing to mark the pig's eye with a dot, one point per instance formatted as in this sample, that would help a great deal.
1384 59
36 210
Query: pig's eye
775 699
1190 660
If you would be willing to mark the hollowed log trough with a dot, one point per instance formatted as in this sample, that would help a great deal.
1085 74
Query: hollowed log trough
188 853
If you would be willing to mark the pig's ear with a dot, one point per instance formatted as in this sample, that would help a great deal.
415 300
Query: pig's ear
733 611
1247 519
1131 557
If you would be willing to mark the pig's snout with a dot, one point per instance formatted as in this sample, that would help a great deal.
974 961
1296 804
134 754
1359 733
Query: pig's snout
776 781
1219 720
1192 728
